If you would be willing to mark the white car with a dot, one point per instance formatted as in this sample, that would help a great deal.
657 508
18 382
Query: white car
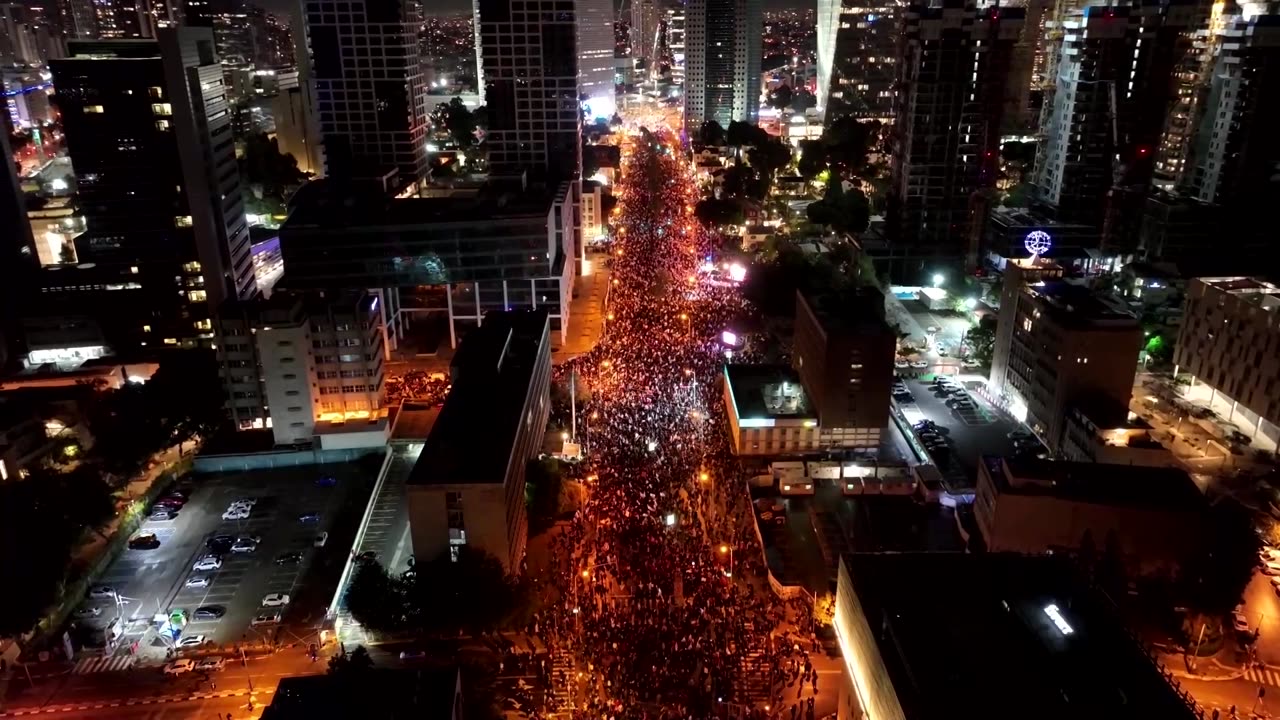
266 618
198 581
88 612
191 641
275 600
919 364
102 591
244 547
207 563
236 514
321 539
247 502
178 667
211 664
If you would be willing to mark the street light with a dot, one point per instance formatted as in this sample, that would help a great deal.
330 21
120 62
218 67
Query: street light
938 279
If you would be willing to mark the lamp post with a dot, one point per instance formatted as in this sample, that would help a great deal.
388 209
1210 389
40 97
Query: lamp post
726 549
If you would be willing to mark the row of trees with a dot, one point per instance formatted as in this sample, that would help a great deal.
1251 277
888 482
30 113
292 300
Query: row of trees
355 676
443 596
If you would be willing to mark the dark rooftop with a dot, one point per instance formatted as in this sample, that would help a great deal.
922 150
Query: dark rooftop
1096 483
474 434
855 311
383 694
977 636
1077 306
321 205
768 391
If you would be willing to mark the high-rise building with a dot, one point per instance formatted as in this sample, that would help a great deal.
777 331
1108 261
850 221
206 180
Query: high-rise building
675 40
295 133
530 67
370 100
722 62
1236 149
149 135
18 259
78 19
646 20
272 43
120 19
952 85
1104 122
595 57
857 57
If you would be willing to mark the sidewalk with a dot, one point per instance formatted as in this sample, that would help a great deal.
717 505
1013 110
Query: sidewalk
586 313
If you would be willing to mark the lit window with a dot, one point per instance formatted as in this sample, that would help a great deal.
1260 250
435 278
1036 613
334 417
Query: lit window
185 221
196 295
205 324
133 269
155 92
146 328
159 109
162 124
93 109
191 267
170 341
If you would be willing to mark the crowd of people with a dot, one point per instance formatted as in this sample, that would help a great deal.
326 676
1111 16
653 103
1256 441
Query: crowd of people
661 602
417 386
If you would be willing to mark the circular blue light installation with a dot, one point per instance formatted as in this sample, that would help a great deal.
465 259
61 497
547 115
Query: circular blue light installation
1037 242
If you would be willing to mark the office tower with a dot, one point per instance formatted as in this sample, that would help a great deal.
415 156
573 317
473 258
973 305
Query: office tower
1026 72
1112 92
233 37
857 57
595 57
149 135
944 143
368 88
1236 149
676 18
646 19
530 67
722 62
78 19
295 133
271 40
18 259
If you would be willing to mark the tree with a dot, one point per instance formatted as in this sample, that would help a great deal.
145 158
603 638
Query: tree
743 134
712 134
982 338
769 157
844 211
264 165
848 143
543 479
472 592
781 97
375 599
813 158
458 121
351 667
745 181
803 101
1213 579
717 211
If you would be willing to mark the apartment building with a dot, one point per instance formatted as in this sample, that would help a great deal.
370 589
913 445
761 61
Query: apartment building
1058 344
304 365
857 57
468 484
1229 343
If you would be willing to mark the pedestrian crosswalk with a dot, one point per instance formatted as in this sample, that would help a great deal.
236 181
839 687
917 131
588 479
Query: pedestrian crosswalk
755 677
562 677
1263 676
99 664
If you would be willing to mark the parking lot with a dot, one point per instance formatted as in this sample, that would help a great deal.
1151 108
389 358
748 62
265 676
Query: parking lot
969 432
154 582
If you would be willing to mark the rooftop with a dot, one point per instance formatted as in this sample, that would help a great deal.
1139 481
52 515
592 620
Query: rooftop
768 391
1247 289
363 204
1077 306
856 311
1096 483
475 432
998 636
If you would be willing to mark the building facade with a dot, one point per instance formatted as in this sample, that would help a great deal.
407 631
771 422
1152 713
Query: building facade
368 84
149 134
1058 345
303 365
595 57
1229 329
501 395
944 142
722 62
857 57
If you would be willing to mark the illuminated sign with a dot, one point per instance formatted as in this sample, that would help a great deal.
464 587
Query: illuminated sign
1060 622
1037 242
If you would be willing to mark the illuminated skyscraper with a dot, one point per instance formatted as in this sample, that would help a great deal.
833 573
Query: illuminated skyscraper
722 62
857 57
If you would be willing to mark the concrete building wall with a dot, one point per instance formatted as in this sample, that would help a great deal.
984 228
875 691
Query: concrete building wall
288 371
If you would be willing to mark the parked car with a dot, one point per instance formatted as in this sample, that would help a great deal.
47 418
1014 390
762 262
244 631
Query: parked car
161 513
212 664
178 667
320 539
88 612
207 563
275 600
255 539
244 547
209 612
289 558
309 518
198 581
236 514
145 541
245 501
219 541
326 481
919 364
1239 622
102 591
190 641
265 618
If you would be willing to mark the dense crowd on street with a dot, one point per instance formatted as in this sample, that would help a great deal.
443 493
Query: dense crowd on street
417 386
660 598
